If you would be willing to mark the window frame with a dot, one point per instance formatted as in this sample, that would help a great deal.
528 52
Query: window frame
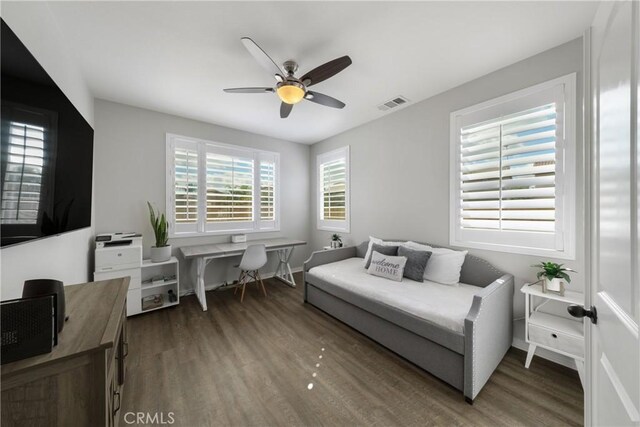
343 226
201 227
523 242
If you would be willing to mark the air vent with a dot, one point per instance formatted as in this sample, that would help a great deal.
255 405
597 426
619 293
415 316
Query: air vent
393 103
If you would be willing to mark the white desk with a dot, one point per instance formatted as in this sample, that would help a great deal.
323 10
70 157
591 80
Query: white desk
204 254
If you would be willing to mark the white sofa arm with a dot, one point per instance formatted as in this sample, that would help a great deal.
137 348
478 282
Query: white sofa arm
488 333
326 257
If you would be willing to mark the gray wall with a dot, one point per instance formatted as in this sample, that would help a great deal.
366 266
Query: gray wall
130 148
65 257
400 165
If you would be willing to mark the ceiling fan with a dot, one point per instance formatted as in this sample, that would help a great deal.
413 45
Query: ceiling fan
291 89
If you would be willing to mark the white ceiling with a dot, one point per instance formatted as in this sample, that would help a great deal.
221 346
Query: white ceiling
176 57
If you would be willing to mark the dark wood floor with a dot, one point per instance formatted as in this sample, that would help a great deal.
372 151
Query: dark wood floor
251 364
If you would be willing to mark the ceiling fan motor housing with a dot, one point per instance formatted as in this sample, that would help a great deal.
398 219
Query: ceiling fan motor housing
290 67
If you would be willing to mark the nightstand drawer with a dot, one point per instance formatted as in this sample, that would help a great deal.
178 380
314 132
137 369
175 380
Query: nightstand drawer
557 340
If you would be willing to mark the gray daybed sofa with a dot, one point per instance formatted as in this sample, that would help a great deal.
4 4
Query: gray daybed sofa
463 359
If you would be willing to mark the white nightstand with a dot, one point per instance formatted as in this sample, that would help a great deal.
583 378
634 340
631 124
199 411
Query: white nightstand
552 332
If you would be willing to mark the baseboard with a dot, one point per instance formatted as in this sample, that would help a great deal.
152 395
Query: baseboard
214 286
519 343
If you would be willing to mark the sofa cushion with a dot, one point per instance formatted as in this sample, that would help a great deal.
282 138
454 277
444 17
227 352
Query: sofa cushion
416 262
376 241
431 310
390 250
444 265
387 267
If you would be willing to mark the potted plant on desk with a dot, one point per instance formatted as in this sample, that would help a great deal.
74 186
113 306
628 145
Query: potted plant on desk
161 251
553 276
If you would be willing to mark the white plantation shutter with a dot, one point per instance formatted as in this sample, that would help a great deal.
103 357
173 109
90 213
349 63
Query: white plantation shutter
229 188
333 190
183 186
508 172
267 190
186 185
22 185
511 183
334 183
216 188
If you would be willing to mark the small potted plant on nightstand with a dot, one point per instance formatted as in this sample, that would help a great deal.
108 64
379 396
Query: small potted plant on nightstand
553 276
161 251
336 241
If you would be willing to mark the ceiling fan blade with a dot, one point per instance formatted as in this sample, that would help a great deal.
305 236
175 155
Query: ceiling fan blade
323 72
285 109
322 99
262 57
249 90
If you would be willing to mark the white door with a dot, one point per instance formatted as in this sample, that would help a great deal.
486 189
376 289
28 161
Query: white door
613 389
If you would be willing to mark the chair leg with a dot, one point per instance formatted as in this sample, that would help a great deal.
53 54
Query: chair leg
264 291
244 285
235 289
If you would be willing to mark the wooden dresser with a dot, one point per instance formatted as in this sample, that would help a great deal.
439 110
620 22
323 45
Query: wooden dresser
80 382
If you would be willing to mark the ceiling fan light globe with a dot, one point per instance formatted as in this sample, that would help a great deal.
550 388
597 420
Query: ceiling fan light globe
290 93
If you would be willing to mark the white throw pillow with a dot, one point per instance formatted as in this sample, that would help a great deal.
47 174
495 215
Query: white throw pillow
444 264
389 267
377 241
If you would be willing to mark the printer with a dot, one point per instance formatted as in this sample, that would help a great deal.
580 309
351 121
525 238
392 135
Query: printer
117 239
118 251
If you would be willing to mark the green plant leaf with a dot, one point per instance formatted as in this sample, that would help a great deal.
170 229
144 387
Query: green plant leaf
565 276
160 226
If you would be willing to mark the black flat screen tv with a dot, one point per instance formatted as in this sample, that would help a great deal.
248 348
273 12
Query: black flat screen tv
47 151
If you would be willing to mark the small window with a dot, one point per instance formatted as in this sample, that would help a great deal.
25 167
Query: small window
215 188
513 172
333 190
22 183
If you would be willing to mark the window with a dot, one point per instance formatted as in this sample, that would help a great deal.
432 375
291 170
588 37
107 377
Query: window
333 190
513 172
215 188
23 174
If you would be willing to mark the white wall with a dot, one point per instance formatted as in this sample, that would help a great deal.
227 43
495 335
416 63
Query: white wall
400 165
65 257
130 146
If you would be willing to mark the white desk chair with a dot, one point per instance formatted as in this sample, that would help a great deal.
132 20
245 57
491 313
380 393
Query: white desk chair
254 258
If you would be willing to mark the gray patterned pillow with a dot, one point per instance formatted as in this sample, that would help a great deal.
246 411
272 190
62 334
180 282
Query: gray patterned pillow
381 249
416 262
389 267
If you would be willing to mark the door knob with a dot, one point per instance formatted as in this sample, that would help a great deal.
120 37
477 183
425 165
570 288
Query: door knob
580 312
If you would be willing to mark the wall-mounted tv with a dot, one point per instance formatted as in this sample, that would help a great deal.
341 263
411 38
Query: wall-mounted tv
47 151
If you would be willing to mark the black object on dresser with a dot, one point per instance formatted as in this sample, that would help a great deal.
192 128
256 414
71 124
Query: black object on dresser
42 287
28 327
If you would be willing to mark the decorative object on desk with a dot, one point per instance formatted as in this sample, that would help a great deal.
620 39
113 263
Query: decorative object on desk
172 296
152 301
336 241
554 276
239 238
161 251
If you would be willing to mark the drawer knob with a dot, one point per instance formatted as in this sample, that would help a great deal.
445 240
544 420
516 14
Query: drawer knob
554 335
